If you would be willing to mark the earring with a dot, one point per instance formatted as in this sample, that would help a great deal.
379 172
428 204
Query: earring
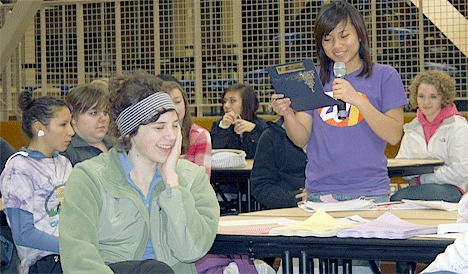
40 133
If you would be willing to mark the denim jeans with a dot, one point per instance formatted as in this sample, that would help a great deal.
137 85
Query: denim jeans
315 197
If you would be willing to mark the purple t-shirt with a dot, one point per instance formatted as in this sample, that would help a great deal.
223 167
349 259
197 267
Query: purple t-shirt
35 185
345 157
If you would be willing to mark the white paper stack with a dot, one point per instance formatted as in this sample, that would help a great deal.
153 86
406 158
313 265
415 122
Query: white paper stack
452 228
441 205
350 205
228 158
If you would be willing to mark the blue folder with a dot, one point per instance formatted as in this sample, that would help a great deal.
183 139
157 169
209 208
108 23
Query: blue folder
300 82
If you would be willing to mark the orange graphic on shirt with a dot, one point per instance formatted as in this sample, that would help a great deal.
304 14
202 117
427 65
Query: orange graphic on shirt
329 115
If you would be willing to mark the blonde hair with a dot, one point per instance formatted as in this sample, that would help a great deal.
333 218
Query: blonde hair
441 80
102 84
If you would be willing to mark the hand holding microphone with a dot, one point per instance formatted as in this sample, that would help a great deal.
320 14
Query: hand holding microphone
241 126
237 125
228 119
339 69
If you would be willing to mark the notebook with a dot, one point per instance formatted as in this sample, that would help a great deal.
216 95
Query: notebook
300 82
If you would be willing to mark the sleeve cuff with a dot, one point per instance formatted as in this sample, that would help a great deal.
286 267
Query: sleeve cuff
223 127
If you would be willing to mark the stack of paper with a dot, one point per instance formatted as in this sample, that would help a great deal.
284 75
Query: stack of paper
452 228
320 224
433 204
228 158
418 204
254 226
356 204
387 226
263 230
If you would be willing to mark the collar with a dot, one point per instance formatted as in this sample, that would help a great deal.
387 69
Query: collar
430 128
448 111
126 164
127 167
77 141
36 154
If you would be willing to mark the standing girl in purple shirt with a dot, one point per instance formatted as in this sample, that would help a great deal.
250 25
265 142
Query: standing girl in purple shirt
346 158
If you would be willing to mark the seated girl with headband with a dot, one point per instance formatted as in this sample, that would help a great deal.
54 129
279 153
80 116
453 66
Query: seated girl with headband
138 208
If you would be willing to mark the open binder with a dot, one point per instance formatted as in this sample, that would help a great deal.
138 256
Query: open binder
300 82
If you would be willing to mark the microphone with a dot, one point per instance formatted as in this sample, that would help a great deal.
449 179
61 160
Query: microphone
238 116
339 69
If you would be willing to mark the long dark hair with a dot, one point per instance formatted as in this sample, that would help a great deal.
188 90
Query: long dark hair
249 100
329 17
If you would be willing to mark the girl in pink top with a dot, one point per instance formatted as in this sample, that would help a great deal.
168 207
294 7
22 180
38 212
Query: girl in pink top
438 132
196 142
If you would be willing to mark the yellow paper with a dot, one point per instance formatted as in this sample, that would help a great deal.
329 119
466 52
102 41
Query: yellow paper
320 224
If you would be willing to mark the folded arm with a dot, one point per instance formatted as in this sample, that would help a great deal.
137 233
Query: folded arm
26 234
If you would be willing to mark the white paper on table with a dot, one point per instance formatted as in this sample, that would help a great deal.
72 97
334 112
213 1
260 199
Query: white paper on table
433 204
354 219
445 236
403 206
452 228
350 205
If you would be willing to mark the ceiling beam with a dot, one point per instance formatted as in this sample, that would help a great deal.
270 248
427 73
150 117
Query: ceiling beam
448 20
16 23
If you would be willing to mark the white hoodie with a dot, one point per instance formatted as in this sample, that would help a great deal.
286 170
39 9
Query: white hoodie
455 257
449 143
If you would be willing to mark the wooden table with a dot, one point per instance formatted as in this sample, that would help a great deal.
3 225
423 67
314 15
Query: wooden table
416 249
427 216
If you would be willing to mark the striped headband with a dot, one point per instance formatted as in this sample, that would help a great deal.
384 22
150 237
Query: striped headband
131 117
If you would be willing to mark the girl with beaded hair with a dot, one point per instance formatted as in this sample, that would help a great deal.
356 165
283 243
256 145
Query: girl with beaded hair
33 181
138 208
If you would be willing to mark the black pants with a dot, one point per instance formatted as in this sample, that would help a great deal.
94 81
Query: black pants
51 264
146 266
48 264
